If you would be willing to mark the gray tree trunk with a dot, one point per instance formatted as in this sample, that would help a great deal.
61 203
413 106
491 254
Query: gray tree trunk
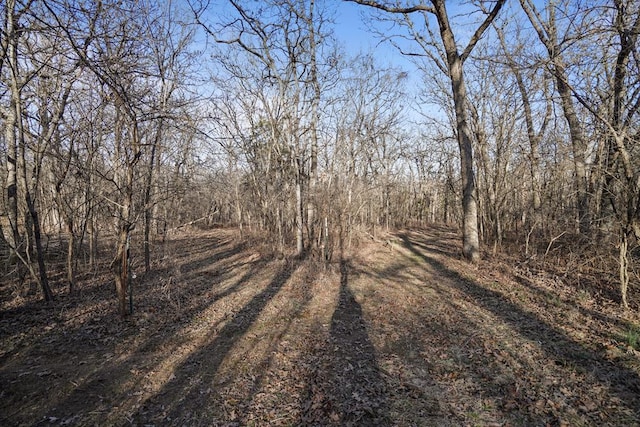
470 238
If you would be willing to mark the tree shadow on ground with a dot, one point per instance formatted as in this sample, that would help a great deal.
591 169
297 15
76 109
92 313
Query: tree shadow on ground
439 368
87 369
189 396
622 382
347 388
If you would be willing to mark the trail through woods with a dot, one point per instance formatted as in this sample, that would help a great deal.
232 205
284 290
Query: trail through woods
403 332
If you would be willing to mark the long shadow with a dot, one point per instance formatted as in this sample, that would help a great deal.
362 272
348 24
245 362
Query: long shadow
194 265
186 399
276 339
436 346
153 342
17 321
92 398
348 389
445 247
621 381
531 284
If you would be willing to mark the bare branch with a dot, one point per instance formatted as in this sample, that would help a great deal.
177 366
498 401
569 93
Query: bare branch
392 9
481 29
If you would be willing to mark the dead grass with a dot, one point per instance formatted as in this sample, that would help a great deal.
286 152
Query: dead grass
402 332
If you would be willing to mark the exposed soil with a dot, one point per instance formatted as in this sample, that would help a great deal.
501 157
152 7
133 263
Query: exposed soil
401 333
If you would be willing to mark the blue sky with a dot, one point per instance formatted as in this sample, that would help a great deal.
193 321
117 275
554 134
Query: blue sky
350 29
352 32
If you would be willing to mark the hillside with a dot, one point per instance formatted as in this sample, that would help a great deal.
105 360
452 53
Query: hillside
401 332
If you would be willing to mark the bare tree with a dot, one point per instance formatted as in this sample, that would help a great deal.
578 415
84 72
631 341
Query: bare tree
118 57
530 79
38 68
169 63
12 114
452 65
281 43
548 31
615 109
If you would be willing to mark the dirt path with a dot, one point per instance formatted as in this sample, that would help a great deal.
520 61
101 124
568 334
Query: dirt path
400 333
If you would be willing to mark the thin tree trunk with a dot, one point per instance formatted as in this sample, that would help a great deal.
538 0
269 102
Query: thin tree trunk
44 281
93 239
579 148
147 236
547 33
32 220
71 244
120 263
121 270
146 204
12 183
299 214
534 143
624 268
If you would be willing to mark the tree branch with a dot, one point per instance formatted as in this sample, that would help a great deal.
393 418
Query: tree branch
481 29
392 9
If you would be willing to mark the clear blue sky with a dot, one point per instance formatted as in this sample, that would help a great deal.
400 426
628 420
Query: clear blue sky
356 37
352 32
350 29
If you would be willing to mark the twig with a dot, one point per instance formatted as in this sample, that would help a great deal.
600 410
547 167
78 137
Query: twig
551 242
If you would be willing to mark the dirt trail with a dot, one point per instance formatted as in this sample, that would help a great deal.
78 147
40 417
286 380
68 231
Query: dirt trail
400 333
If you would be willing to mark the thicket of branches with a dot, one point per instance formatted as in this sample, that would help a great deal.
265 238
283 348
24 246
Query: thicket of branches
123 121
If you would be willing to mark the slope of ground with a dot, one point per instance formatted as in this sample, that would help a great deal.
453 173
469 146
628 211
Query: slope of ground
402 332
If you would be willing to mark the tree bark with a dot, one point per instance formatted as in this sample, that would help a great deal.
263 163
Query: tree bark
12 116
147 201
42 268
315 105
121 270
547 33
71 258
299 214
579 147
470 238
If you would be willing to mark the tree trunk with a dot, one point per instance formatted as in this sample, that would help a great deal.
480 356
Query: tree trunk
12 116
299 214
12 183
146 203
32 221
71 270
534 144
44 281
121 270
121 261
624 268
93 239
315 103
125 178
470 239
579 148
548 35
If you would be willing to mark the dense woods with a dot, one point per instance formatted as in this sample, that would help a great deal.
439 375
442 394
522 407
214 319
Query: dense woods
124 121
319 212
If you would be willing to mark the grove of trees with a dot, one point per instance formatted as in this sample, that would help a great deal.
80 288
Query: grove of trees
123 121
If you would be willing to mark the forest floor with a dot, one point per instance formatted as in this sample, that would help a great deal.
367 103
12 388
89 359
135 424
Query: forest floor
401 333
